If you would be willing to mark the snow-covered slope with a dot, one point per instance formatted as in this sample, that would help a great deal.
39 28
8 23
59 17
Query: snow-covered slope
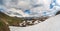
51 24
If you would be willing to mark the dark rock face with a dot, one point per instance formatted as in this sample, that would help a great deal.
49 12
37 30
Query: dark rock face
3 26
58 13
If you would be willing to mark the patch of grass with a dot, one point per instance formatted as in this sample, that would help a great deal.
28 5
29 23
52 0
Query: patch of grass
1 24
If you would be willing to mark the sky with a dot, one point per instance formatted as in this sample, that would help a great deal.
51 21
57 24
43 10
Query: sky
29 8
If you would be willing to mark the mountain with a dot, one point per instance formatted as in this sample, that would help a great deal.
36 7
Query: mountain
51 24
3 26
10 20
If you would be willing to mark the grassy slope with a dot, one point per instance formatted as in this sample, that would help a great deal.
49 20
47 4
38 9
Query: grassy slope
14 21
10 20
3 26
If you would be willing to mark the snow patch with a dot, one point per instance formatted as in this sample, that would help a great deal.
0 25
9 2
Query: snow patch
51 24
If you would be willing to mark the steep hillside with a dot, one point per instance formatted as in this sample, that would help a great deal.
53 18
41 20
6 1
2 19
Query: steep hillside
10 20
3 26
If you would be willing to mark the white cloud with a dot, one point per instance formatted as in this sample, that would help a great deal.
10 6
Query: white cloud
58 2
20 6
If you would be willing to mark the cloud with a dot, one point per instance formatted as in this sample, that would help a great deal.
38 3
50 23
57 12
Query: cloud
58 2
35 8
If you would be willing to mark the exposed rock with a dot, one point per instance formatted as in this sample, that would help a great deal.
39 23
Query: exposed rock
58 13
